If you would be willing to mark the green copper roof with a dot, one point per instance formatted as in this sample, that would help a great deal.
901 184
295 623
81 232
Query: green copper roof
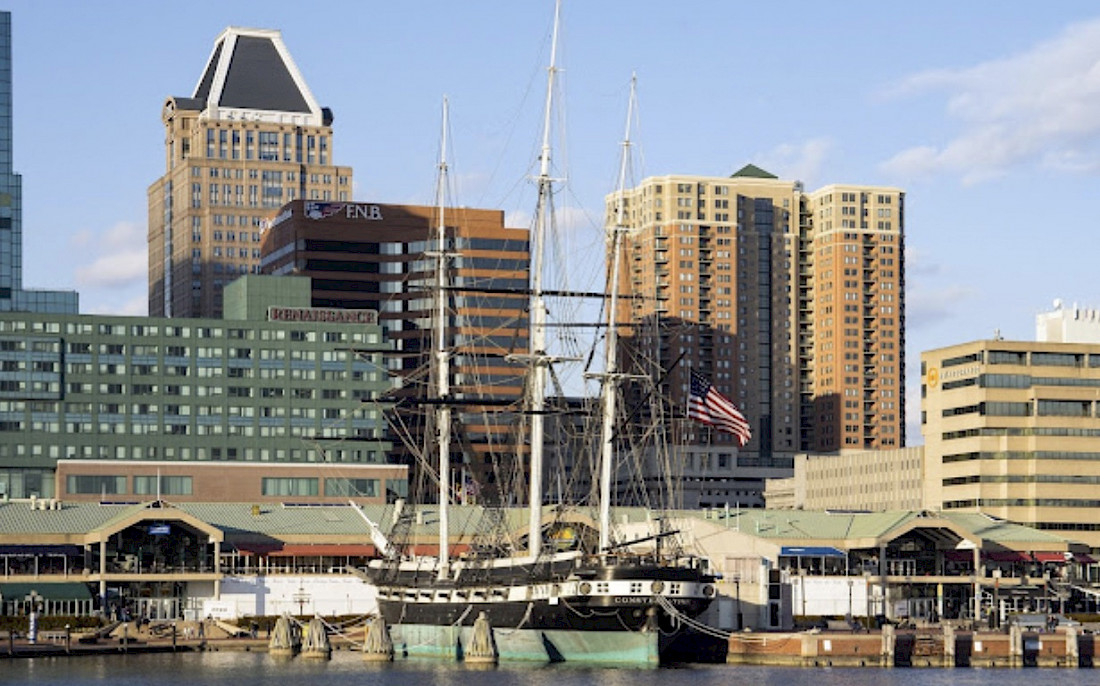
753 171
825 526
999 531
239 521
71 519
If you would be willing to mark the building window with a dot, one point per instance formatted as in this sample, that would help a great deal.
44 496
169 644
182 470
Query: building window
1064 408
169 485
348 488
273 486
269 146
1044 359
1007 357
90 484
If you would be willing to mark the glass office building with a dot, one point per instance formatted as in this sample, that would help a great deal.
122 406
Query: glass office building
12 296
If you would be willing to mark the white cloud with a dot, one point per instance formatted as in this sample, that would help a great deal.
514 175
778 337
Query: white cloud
1038 107
117 256
131 306
799 161
918 262
519 219
124 234
567 220
82 238
925 308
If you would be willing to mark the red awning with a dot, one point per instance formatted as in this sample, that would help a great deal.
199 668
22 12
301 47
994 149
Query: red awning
1007 556
257 548
324 550
959 555
1049 557
429 549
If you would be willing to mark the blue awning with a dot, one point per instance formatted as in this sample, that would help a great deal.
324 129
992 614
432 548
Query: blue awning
811 551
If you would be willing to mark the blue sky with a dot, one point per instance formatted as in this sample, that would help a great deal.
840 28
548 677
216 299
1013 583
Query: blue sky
986 113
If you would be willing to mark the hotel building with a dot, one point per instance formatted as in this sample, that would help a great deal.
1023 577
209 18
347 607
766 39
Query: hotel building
378 257
250 138
269 404
1010 430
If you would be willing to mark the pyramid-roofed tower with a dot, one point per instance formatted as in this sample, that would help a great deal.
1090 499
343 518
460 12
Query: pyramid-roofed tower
249 139
250 74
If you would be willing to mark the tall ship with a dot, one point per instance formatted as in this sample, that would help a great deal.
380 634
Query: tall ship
590 597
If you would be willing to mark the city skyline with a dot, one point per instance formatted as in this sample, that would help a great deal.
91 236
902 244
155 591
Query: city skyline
988 131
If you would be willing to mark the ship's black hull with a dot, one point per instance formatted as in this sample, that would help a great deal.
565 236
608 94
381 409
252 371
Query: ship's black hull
619 613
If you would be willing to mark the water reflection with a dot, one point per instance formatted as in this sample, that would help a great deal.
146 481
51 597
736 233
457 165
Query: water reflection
348 669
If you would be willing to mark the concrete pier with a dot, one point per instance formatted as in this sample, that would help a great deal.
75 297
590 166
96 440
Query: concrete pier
942 647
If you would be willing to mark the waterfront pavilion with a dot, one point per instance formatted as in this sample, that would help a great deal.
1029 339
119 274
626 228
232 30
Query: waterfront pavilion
141 554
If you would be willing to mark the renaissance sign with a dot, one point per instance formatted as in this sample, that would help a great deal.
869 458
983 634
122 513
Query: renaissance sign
321 314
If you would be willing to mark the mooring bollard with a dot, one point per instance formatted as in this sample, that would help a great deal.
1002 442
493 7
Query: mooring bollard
889 645
1073 654
948 645
377 645
481 649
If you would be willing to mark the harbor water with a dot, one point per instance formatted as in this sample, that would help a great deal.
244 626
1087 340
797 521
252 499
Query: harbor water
348 669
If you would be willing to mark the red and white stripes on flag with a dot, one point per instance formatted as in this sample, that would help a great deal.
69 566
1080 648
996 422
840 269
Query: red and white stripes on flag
711 407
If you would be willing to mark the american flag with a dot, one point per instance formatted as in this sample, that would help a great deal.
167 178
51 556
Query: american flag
711 407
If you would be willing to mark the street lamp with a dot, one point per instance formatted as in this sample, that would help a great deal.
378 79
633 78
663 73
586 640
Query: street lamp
737 587
851 618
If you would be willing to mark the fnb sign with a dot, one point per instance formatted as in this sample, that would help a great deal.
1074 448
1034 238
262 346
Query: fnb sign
321 314
350 210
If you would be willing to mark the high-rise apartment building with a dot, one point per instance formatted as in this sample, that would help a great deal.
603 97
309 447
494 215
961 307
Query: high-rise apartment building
851 292
382 257
250 138
790 302
1010 429
12 296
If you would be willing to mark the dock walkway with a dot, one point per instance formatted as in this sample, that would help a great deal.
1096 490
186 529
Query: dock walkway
940 647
